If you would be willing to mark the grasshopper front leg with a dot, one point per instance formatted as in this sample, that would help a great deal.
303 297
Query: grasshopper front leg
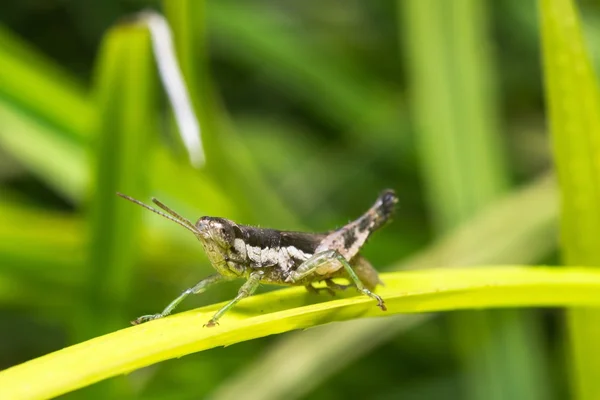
198 288
318 260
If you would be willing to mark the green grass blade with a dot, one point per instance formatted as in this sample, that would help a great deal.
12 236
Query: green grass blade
316 75
125 94
523 226
452 78
573 101
41 256
38 86
125 99
56 236
44 150
45 117
281 311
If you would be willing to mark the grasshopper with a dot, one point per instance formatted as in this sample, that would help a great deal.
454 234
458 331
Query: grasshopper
281 257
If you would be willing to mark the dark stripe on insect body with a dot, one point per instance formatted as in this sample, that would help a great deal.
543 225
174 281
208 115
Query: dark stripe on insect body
263 238
364 223
264 248
350 237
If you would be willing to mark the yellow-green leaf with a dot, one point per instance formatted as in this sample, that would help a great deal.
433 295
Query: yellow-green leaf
285 310
574 118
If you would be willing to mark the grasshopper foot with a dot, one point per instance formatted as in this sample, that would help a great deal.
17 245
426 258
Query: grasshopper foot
210 324
378 299
380 302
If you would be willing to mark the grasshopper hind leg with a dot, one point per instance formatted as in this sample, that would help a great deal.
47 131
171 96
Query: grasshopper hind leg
366 273
311 268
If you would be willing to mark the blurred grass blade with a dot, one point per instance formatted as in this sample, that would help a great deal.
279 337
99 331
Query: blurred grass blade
284 310
311 358
36 85
366 108
126 95
60 157
521 226
336 90
53 140
47 274
44 150
451 77
45 117
574 118
450 69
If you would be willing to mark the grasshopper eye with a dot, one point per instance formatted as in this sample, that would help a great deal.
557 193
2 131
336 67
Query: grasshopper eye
227 233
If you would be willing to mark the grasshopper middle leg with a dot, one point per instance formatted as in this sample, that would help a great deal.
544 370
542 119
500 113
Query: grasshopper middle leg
246 290
311 265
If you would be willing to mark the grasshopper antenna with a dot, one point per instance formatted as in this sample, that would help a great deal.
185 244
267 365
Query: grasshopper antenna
173 213
173 216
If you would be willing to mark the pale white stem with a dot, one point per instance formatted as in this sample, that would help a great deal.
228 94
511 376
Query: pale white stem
174 84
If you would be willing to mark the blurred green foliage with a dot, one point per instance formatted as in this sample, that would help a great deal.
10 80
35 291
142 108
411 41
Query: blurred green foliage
309 109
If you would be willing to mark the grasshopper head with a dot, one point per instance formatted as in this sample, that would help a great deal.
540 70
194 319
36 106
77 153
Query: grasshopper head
216 231
217 235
